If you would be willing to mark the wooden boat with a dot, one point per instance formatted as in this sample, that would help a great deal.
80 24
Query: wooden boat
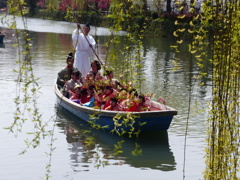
158 118
1 37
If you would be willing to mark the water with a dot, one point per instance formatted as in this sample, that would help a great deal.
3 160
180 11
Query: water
162 153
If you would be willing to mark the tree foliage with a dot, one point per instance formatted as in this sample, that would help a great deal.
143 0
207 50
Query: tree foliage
32 4
218 28
223 141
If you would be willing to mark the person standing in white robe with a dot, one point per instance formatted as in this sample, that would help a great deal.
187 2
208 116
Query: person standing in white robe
83 48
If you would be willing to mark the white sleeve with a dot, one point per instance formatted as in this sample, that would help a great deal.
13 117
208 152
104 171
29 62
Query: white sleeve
75 36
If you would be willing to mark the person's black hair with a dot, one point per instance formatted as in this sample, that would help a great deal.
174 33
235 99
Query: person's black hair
91 87
134 91
87 25
142 97
70 56
84 91
108 72
114 99
97 63
76 73
117 83
123 89
109 88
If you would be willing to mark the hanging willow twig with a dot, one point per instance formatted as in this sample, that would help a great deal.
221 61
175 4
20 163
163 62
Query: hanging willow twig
27 87
222 21
218 29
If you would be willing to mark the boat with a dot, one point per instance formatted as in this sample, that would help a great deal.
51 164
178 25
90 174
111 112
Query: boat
1 37
158 118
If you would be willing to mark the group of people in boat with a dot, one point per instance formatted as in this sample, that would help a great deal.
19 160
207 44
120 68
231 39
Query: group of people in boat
97 90
82 82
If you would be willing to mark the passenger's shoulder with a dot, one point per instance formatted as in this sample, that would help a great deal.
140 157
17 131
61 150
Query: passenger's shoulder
63 69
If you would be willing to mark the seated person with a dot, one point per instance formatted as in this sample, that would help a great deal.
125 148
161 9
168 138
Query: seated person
99 97
142 106
95 65
84 96
114 105
69 85
65 74
91 97
111 81
108 92
99 81
122 95
76 94
75 80
130 103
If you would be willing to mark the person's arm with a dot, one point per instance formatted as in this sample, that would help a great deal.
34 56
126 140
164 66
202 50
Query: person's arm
75 35
60 80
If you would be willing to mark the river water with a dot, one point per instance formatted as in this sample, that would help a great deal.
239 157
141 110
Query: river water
164 155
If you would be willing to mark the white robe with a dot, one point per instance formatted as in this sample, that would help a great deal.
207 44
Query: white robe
84 52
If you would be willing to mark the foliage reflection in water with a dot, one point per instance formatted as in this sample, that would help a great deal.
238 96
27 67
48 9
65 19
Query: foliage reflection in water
156 152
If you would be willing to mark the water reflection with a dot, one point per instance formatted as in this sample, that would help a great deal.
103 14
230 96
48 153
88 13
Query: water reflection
156 152
2 45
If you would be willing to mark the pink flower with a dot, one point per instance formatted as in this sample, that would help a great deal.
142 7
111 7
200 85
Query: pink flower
65 4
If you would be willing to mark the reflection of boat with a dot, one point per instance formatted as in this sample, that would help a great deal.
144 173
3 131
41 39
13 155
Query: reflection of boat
1 38
156 153
2 45
153 120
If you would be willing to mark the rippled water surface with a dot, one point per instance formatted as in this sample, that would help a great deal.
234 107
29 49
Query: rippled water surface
162 153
